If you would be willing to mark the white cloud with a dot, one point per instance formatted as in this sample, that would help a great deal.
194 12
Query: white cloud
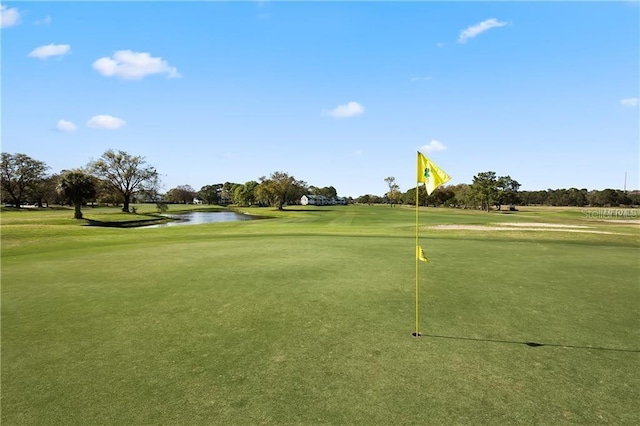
629 102
475 30
427 78
133 65
105 122
433 146
440 45
66 126
9 17
350 109
43 52
44 21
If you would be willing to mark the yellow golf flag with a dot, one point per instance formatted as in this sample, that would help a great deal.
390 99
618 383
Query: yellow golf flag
431 175
420 254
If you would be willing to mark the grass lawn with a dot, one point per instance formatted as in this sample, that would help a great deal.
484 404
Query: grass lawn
306 318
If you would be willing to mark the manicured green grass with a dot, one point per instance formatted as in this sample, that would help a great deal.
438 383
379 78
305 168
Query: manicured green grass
306 318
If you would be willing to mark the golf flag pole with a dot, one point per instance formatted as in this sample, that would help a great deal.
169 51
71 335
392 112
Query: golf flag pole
432 177
417 333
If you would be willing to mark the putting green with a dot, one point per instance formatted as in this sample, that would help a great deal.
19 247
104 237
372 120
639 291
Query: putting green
306 318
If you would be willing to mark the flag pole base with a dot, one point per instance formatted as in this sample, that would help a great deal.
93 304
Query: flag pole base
416 334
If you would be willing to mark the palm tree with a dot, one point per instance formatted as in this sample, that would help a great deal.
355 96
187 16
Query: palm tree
78 186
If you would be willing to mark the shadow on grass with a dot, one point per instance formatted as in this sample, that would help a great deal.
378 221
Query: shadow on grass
530 344
34 209
128 223
306 210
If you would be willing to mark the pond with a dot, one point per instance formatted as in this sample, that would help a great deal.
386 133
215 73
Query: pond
199 218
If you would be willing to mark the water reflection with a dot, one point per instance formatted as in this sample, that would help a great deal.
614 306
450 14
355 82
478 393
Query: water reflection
198 218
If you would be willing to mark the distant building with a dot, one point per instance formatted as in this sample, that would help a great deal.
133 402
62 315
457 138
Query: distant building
321 200
314 200
341 200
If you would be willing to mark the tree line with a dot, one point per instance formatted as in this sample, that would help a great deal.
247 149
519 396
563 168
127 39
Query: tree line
278 189
119 178
491 191
116 177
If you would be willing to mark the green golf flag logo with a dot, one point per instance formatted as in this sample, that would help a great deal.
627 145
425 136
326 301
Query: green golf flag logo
432 175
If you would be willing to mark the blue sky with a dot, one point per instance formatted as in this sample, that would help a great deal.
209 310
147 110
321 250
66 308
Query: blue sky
334 93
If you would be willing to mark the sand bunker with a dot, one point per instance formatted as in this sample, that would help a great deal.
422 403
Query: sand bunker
541 225
548 227
623 221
